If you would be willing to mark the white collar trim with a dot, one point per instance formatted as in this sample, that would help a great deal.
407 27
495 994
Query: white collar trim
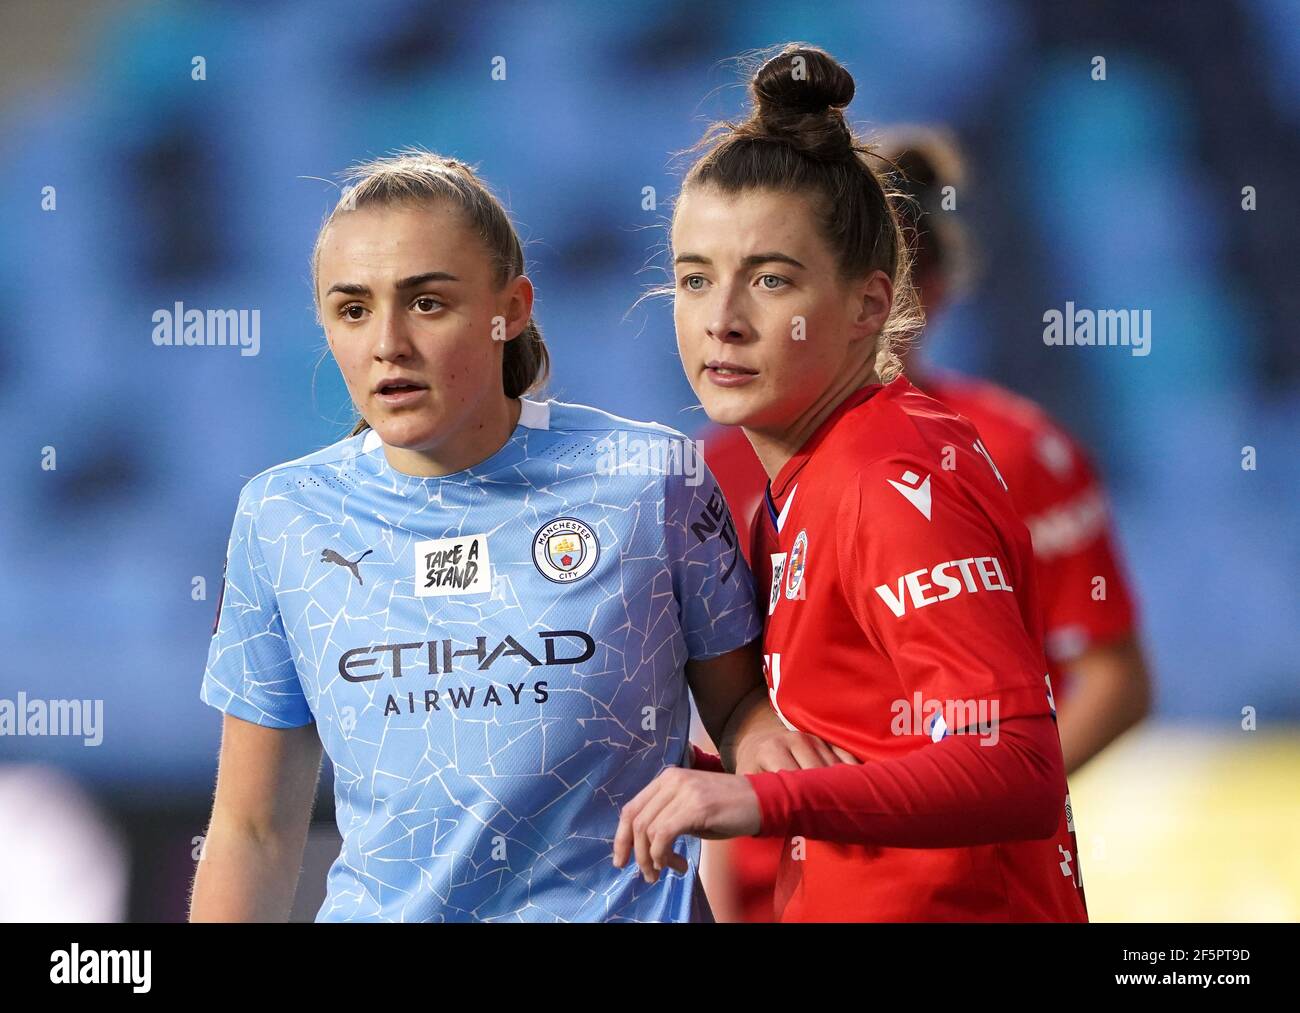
534 414
785 510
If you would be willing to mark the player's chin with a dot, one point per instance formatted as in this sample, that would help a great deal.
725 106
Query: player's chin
731 407
405 428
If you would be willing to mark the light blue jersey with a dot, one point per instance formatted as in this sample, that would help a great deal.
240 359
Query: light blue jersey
494 659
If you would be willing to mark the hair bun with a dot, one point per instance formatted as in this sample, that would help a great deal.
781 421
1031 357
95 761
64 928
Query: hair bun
798 95
802 79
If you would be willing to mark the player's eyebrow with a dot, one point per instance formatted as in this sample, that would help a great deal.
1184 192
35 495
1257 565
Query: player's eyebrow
348 288
753 260
354 289
420 279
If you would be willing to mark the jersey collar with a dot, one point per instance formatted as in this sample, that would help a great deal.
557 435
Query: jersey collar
778 520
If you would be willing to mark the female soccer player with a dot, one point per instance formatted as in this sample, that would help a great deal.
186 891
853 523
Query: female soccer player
1094 657
902 615
488 623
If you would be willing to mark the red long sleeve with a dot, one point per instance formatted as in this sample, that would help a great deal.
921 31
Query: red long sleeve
953 793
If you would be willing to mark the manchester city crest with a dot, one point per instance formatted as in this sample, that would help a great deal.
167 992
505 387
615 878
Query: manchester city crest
565 550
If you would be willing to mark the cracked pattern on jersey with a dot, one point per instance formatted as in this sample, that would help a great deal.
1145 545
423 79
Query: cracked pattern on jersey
483 742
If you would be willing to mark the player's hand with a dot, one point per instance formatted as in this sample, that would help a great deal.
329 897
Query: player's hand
787 750
681 801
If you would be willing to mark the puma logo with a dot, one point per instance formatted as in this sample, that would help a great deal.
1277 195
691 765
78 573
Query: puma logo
330 556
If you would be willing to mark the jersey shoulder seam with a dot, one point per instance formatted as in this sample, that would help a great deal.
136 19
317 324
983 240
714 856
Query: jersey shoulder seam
606 422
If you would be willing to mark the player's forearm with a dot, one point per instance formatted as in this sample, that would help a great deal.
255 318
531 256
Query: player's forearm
1110 693
752 716
243 877
1090 724
955 793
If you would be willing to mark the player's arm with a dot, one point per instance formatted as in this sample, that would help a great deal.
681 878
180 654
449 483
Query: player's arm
1088 610
959 792
731 697
270 750
252 854
721 624
1110 692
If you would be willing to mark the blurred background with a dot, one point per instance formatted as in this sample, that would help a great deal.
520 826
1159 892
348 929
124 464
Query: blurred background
133 177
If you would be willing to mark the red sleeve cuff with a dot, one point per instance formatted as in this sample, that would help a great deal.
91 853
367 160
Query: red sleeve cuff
775 803
701 760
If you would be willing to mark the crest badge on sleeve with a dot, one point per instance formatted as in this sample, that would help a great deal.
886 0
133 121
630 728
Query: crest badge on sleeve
794 569
778 570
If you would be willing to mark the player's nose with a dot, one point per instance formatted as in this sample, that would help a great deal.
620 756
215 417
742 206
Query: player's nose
392 336
727 322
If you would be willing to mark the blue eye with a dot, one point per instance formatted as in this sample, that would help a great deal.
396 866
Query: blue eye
690 278
764 278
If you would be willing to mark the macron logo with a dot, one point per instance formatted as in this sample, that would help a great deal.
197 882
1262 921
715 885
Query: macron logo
915 491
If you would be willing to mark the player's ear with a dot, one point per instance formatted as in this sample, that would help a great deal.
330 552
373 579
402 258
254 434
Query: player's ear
873 298
517 305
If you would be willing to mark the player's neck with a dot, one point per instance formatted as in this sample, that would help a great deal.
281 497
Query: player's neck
472 443
774 447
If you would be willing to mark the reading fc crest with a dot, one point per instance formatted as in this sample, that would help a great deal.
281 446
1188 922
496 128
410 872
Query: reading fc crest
795 567
565 550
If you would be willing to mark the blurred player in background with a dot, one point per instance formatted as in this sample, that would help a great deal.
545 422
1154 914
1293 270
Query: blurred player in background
1095 661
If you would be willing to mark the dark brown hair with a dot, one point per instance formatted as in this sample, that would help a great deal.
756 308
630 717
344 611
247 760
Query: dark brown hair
796 140
417 178
927 160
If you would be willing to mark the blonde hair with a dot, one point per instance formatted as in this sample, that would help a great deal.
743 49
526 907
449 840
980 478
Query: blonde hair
417 178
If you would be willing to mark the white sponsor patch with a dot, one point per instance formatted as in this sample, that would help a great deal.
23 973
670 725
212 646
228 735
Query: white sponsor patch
778 569
457 565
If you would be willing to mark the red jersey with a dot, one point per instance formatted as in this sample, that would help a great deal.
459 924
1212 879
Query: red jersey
903 609
1054 487
1056 492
